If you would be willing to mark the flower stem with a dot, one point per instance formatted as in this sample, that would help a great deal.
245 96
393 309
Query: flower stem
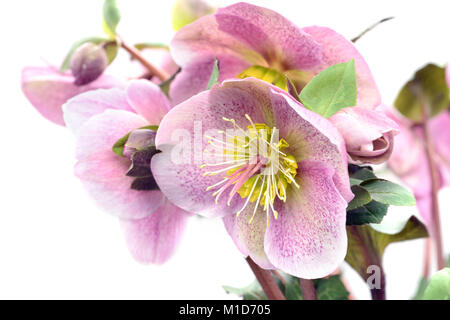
135 53
308 290
434 176
426 258
266 281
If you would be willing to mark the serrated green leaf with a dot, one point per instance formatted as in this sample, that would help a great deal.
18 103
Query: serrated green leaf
214 75
372 212
66 63
331 90
439 286
111 17
427 88
389 193
366 245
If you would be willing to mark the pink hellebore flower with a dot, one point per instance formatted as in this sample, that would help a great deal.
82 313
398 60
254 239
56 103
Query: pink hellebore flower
368 134
409 159
243 35
153 225
285 207
48 89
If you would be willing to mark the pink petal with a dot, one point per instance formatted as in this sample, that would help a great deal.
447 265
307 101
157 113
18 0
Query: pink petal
155 238
249 237
102 172
337 49
195 76
147 99
47 89
308 240
277 39
86 105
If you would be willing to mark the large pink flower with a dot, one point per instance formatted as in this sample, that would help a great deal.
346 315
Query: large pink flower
152 224
285 207
409 160
48 89
243 35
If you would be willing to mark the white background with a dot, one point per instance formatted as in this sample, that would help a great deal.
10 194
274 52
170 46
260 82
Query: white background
54 242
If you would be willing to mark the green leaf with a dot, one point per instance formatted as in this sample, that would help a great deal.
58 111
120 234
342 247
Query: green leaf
362 197
185 12
366 245
331 288
251 292
427 88
439 286
331 90
165 85
66 63
214 75
111 17
266 74
372 212
363 174
111 49
389 193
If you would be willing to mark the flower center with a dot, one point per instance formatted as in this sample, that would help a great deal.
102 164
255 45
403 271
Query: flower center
257 168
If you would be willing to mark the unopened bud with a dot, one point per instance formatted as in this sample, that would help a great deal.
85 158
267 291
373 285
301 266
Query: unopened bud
88 63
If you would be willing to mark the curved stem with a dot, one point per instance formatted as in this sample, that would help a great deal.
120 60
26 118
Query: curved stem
434 176
266 281
308 290
135 53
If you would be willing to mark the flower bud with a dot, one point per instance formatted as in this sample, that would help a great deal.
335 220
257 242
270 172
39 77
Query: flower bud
88 63
368 134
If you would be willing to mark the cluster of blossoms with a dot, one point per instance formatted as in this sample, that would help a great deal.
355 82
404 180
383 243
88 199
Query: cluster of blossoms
244 149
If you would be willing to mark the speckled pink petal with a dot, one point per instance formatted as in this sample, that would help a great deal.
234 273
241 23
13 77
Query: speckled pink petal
47 89
276 38
337 49
147 99
86 105
155 238
102 172
195 76
249 237
308 240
